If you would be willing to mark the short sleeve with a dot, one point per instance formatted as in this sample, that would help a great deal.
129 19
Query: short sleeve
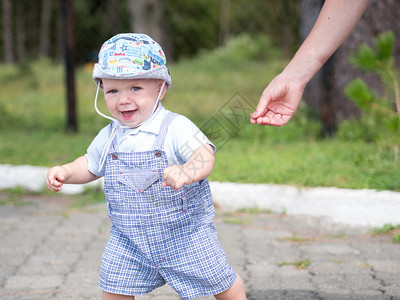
95 150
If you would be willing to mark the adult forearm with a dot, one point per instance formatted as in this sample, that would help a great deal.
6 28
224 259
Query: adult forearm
335 22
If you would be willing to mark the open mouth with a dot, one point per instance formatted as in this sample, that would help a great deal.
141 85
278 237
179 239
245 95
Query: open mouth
128 115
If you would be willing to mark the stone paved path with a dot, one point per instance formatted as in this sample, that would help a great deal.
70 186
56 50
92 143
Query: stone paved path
49 251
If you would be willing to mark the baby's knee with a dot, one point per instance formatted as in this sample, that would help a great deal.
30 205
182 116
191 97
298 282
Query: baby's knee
234 292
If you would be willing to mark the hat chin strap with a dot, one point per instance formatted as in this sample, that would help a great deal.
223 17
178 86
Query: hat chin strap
117 127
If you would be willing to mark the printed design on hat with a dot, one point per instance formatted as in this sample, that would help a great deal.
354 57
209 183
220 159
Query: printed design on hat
128 54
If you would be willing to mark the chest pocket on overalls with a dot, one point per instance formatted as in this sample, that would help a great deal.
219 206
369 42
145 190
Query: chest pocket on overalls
139 180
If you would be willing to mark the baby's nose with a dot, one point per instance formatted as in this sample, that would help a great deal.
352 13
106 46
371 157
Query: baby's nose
124 98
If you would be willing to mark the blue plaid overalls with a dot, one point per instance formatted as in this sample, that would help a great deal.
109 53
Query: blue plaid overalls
159 235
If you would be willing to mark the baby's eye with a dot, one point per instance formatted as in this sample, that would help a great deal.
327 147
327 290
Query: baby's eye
135 88
112 91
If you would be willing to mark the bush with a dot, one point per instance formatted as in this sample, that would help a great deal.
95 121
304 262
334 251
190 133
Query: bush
238 51
380 115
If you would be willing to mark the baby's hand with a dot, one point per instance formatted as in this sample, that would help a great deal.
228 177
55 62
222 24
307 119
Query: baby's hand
175 176
56 177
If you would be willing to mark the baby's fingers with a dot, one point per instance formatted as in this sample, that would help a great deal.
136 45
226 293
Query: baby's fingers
54 185
55 179
168 181
172 177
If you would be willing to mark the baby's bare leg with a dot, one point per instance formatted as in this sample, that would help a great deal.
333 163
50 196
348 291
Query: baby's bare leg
235 292
109 296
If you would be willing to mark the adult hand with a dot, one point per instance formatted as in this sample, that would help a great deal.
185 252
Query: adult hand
278 102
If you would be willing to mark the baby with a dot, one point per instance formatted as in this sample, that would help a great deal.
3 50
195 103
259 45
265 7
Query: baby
155 165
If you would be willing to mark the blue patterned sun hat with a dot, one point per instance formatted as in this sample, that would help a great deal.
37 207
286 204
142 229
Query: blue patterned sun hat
131 56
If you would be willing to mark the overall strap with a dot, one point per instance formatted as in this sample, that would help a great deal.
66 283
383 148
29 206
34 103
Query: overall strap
109 146
114 144
159 142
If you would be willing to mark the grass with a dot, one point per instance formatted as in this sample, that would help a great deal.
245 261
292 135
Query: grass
296 239
14 196
253 210
237 220
307 163
206 89
236 217
299 264
243 216
390 230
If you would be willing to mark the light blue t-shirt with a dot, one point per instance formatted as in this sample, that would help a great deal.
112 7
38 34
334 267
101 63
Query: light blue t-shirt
182 139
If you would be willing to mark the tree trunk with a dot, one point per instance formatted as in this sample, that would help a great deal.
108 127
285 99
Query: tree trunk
328 108
224 21
309 14
60 33
20 34
112 13
45 28
320 91
7 32
68 25
147 17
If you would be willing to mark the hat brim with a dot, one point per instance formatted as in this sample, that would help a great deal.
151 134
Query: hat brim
160 72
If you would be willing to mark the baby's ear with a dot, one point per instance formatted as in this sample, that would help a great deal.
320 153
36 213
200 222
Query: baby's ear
164 87
101 83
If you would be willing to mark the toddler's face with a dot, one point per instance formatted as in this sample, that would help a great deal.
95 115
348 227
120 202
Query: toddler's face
131 101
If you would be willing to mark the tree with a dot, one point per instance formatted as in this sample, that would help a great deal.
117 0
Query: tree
68 25
45 28
20 34
147 16
224 21
7 32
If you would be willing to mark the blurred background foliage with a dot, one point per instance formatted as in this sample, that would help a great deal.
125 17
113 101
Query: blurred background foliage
35 27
